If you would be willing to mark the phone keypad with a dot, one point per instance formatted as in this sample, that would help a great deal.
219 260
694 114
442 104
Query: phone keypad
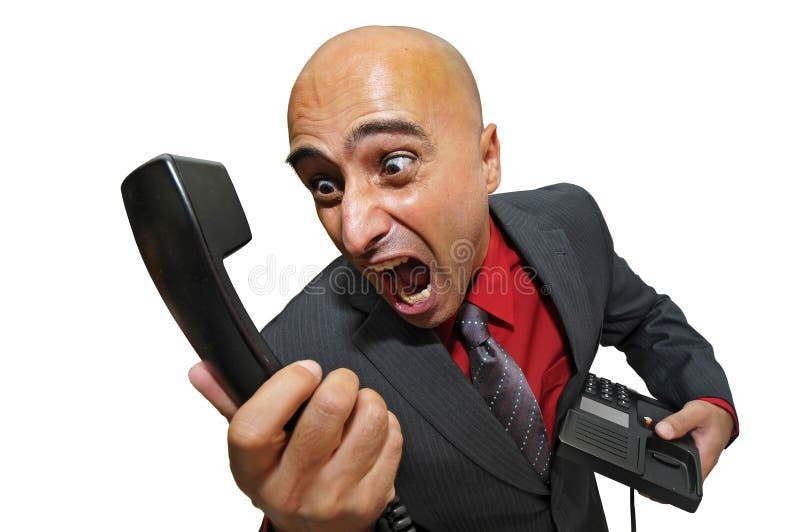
609 392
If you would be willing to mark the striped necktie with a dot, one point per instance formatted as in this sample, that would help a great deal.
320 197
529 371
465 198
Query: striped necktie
504 387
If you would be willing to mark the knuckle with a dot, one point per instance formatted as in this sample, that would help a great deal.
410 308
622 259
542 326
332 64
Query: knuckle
372 431
332 403
367 508
368 395
338 503
246 436
373 408
395 444
287 501
361 506
394 426
394 423
337 394
310 445
326 509
370 419
394 438
283 494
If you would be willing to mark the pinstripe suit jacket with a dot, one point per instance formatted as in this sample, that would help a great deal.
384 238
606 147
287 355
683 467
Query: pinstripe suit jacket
460 470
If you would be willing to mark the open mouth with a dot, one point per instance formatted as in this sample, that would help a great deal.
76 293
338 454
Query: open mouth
405 277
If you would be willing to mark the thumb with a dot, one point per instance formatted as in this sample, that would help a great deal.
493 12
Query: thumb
679 423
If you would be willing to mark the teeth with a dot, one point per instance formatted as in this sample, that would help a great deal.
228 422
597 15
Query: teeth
408 298
389 264
413 299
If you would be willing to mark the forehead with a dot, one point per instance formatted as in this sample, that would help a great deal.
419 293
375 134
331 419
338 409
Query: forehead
337 91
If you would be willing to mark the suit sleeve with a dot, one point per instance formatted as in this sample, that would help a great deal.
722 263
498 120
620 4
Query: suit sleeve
676 363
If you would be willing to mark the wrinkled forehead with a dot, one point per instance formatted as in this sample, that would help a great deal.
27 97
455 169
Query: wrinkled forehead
340 85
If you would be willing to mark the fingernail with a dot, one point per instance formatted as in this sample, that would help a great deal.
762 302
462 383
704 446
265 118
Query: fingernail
665 430
312 367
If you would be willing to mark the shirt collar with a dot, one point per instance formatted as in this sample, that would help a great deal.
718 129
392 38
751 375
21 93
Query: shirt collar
492 286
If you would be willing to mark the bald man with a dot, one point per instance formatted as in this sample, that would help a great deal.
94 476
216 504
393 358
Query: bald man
386 132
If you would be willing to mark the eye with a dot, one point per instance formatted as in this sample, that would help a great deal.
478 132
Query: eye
397 164
324 188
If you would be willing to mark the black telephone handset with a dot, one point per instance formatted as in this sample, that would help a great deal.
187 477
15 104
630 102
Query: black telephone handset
610 430
186 218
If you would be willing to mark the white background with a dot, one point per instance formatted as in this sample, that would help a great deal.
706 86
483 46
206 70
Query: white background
682 119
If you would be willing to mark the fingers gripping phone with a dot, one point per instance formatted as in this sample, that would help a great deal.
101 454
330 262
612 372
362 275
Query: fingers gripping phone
186 218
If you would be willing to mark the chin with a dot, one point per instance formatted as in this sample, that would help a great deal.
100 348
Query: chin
433 318
421 322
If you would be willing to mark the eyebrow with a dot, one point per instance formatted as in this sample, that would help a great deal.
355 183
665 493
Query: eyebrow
302 153
375 127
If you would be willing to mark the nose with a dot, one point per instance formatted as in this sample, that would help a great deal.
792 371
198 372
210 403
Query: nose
365 221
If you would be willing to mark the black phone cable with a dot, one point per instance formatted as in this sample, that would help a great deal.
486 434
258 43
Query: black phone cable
633 513
396 515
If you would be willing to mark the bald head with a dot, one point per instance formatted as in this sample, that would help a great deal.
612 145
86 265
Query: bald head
385 131
383 62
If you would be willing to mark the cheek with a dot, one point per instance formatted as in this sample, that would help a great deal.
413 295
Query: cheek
461 218
449 222
459 198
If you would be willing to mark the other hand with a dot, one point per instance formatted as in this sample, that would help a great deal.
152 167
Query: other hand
710 426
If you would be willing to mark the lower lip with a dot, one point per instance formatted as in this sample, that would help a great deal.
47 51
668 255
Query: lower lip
408 309
417 308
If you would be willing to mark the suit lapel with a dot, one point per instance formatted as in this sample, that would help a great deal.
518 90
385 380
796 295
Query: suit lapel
553 261
418 366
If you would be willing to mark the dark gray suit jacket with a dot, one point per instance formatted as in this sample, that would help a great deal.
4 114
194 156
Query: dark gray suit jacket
460 470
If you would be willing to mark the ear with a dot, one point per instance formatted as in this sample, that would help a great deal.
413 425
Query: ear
490 157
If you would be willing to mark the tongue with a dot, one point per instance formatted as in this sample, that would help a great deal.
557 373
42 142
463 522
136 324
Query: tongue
413 276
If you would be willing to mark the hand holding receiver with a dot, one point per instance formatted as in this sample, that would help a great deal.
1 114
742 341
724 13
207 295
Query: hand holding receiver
334 471
337 469
709 425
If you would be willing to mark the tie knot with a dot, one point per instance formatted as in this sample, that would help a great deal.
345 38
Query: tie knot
473 324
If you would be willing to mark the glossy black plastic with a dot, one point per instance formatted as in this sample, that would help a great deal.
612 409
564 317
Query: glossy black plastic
186 218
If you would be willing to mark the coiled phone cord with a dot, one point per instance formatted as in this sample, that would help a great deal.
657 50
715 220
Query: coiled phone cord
397 517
